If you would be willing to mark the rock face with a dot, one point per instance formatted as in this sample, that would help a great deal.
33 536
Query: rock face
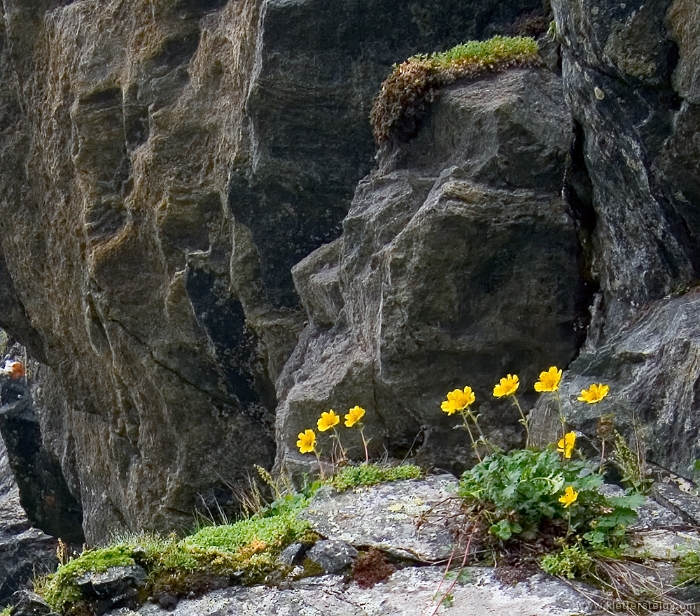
24 551
458 263
44 494
631 82
182 251
165 163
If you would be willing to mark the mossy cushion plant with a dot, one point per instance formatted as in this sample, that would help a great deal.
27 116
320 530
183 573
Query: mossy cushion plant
372 474
414 84
248 547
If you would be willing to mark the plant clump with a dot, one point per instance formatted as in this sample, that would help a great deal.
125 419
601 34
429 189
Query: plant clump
370 568
414 84
372 474
215 556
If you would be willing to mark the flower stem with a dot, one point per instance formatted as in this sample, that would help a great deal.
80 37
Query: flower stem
364 442
320 466
343 452
562 419
524 421
471 435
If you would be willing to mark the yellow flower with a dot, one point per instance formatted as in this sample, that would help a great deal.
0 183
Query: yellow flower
354 415
595 393
458 400
549 381
506 387
328 420
307 441
566 444
568 497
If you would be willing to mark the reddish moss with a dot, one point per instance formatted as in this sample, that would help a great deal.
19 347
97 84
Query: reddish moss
371 568
407 93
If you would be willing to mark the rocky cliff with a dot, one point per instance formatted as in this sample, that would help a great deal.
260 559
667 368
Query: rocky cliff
201 253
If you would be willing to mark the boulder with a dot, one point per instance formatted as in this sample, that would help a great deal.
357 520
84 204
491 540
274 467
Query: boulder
390 517
630 81
409 592
44 494
458 263
331 556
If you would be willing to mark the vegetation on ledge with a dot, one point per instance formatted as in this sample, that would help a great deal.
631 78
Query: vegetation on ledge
414 84
245 551
372 474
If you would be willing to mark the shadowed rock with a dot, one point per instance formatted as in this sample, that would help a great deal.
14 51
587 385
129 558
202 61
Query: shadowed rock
458 264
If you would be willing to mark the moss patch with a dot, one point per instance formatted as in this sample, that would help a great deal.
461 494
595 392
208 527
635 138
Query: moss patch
61 588
413 85
244 552
372 474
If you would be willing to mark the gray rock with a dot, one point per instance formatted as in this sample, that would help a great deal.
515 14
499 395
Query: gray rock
27 603
25 552
633 188
114 584
686 505
44 494
409 592
332 556
293 554
651 370
404 518
458 264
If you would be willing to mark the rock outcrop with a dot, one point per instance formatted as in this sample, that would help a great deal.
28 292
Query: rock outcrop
165 164
459 263
631 83
187 252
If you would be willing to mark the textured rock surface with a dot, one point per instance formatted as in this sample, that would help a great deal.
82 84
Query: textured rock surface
631 82
44 495
165 164
408 592
458 263
390 517
24 551
652 370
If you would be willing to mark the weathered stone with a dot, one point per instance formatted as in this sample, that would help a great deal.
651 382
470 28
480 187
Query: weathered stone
24 551
43 491
27 603
409 592
165 164
293 554
332 556
685 505
663 544
113 583
458 264
629 76
387 516
651 368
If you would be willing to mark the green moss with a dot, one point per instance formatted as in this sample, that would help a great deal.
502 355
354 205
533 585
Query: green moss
61 588
371 474
273 531
6 611
246 550
688 568
413 85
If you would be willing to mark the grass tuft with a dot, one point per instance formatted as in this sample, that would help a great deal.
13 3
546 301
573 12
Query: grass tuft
414 84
